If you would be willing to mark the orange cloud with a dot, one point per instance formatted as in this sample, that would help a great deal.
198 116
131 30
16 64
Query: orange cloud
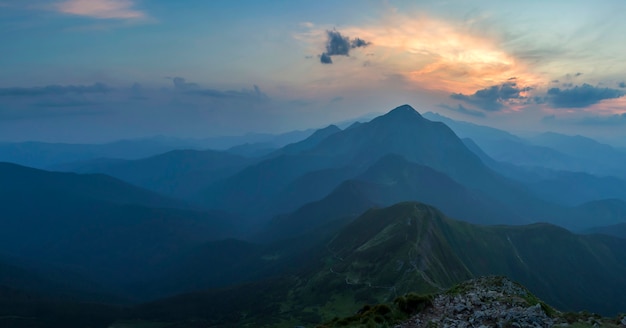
435 54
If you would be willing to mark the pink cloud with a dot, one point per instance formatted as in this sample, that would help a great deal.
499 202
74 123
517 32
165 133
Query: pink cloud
101 9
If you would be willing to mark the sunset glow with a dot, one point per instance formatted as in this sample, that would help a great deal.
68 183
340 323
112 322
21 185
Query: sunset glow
488 62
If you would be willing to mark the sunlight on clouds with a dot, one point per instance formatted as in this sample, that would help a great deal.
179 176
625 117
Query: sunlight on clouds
431 54
609 106
443 56
102 9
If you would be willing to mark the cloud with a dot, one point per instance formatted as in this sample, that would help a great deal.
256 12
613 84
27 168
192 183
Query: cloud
493 98
54 90
54 101
496 98
463 110
101 9
580 96
181 84
325 59
339 45
254 94
357 43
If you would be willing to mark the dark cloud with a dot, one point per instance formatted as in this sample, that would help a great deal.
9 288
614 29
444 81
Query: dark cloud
622 84
325 59
244 94
463 110
339 45
56 90
190 88
493 98
580 96
356 43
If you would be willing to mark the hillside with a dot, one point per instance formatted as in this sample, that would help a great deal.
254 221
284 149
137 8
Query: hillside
390 180
411 247
97 227
21 181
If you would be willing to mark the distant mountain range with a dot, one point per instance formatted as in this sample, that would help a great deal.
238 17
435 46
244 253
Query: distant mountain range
402 132
548 150
46 155
296 234
178 173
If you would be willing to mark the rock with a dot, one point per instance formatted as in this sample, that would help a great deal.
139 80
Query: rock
485 302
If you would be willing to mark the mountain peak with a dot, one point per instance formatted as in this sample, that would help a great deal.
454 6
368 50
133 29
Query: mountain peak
404 114
404 111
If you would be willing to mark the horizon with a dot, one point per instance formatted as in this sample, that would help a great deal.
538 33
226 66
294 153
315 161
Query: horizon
76 71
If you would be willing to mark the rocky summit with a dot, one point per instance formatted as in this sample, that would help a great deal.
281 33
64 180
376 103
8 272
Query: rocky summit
498 302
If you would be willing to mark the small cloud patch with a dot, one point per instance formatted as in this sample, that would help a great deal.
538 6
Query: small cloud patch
339 45
494 98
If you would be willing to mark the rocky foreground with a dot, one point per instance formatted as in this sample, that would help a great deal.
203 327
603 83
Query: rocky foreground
499 302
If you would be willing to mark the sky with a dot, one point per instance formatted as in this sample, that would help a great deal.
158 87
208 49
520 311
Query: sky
101 70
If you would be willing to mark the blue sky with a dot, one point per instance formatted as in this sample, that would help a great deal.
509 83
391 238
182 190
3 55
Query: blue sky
98 70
